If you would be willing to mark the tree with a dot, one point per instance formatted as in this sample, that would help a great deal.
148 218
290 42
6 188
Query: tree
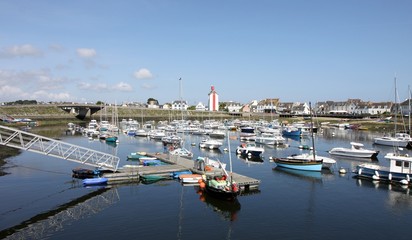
152 101
222 106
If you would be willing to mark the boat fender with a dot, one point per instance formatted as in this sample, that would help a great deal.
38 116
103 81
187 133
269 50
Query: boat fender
408 178
377 173
238 151
234 187
359 171
390 176
375 177
404 182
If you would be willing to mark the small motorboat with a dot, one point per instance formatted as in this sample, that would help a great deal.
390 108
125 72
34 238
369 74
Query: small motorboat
85 173
356 150
190 178
94 181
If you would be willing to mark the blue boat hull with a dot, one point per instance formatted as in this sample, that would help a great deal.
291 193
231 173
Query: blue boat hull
94 181
302 165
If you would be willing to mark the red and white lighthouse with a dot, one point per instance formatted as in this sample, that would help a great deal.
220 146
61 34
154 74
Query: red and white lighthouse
213 100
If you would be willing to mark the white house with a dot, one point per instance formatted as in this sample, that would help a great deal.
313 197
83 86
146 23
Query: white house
233 106
379 108
267 105
300 108
179 105
200 107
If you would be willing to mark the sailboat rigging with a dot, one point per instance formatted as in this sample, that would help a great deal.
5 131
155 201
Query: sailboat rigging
223 187
181 151
303 162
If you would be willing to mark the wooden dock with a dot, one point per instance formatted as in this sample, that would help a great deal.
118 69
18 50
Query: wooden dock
176 164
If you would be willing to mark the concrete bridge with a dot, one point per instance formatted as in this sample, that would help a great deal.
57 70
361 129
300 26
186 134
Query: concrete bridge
81 110
35 143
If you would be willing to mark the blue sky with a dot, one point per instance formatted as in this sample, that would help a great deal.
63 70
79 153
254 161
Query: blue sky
122 51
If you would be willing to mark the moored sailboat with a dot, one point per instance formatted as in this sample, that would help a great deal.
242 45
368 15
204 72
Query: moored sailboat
223 186
307 163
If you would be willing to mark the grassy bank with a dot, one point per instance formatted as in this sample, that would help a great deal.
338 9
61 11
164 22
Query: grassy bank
52 115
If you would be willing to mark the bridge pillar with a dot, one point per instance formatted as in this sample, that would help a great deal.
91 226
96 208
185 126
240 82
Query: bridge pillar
81 111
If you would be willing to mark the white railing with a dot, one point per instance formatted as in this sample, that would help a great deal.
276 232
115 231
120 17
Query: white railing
35 143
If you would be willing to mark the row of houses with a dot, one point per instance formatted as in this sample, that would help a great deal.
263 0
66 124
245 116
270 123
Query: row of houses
351 106
273 105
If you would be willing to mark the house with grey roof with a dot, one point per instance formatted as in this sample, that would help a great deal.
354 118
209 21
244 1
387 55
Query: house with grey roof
179 105
267 105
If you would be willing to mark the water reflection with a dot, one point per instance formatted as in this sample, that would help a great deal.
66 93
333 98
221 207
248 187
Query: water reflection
399 196
312 176
45 224
227 209
212 153
251 160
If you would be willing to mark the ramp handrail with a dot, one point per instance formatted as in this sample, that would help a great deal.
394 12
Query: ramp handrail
35 143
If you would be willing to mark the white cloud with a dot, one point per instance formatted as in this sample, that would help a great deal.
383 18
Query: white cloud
123 87
11 93
46 96
143 73
103 87
25 50
8 90
35 78
86 52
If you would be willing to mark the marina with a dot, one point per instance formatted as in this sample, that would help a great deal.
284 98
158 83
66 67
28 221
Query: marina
271 195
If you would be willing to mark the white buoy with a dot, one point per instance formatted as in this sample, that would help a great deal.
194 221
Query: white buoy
377 173
375 177
342 171
225 149
404 182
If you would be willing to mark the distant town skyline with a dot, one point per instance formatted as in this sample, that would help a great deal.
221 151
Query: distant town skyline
297 51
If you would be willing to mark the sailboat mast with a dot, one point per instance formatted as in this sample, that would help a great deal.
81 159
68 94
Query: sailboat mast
230 156
311 131
180 96
409 103
396 108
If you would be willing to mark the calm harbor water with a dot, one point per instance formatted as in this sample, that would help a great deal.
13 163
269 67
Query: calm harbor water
40 200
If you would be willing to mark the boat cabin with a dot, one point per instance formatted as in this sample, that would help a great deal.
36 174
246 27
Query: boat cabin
357 146
400 163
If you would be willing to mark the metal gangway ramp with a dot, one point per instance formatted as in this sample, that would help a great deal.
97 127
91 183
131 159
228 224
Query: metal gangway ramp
35 143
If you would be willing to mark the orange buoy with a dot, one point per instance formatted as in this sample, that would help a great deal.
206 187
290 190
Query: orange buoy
202 184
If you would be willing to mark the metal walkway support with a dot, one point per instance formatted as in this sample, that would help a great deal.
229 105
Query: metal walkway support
35 143
45 224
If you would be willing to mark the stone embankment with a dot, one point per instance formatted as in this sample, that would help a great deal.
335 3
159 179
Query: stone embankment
55 113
